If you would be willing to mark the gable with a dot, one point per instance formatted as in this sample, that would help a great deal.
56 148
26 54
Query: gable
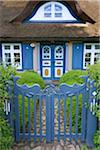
33 12
53 12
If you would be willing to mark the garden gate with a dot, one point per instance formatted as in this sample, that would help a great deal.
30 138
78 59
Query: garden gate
54 113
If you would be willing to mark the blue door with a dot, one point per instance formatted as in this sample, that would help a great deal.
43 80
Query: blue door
52 61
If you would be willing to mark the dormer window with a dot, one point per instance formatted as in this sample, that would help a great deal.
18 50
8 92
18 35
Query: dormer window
54 12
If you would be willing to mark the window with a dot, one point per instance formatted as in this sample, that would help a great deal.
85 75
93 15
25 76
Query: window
91 54
47 11
12 55
58 11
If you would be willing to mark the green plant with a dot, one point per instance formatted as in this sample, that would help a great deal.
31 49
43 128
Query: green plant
29 78
94 72
97 138
73 77
25 111
5 78
6 135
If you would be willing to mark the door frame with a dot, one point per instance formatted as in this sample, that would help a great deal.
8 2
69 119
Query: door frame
52 59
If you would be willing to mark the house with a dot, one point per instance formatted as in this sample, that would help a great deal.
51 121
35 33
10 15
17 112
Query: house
50 37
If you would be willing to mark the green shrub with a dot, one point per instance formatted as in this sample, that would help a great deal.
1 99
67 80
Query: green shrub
29 78
6 135
73 77
94 72
97 138
5 77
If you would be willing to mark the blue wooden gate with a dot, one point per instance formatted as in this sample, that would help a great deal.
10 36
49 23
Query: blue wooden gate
54 113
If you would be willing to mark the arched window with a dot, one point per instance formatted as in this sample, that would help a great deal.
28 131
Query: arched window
53 12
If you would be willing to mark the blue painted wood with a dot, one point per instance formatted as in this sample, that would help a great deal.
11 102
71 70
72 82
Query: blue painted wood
23 117
48 125
52 117
40 102
91 119
17 125
0 52
58 117
77 56
77 106
83 126
35 133
27 57
65 117
29 120
70 128
52 60
49 94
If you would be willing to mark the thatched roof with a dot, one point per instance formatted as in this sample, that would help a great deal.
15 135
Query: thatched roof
17 31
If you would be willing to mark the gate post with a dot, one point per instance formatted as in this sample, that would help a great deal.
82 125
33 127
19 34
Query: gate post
91 118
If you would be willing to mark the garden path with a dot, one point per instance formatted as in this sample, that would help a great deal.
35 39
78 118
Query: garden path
53 146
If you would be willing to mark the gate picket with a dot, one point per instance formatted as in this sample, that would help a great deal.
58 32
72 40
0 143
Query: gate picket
76 133
23 118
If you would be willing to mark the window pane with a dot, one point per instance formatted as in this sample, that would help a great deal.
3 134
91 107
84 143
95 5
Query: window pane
96 57
88 55
87 59
58 14
58 8
7 55
47 8
7 47
7 58
16 47
47 14
88 46
97 46
16 59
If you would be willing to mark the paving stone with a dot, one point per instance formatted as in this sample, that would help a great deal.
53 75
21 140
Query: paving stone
71 147
62 142
78 147
59 147
37 148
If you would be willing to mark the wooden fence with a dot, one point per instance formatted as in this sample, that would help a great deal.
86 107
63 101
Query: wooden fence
53 113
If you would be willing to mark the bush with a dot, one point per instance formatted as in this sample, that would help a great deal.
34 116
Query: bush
94 72
6 135
73 77
5 78
29 78
97 138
